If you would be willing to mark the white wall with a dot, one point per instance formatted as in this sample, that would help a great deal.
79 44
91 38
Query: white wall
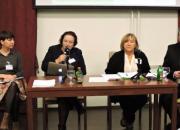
100 31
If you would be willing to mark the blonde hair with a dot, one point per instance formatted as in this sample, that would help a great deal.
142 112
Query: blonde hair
126 38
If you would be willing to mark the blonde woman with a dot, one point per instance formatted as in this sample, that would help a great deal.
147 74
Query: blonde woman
126 60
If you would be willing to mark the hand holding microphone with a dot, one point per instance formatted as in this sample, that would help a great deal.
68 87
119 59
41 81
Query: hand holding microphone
61 58
64 56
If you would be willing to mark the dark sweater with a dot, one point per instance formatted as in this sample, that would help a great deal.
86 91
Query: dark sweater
55 51
14 59
172 59
116 62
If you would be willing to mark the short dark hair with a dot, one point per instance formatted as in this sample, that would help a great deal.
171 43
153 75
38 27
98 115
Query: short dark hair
68 33
6 35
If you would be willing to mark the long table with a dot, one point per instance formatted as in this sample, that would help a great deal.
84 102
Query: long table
110 88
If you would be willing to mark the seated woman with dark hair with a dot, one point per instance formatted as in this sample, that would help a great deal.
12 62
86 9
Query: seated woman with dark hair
58 54
10 69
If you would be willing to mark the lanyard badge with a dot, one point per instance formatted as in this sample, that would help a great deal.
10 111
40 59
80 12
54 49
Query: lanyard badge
138 61
9 66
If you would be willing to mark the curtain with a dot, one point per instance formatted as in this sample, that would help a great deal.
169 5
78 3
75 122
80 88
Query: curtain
179 19
19 17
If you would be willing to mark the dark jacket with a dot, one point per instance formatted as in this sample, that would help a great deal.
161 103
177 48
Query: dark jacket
55 51
116 62
172 59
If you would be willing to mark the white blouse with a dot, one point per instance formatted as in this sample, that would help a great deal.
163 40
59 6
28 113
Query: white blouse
130 66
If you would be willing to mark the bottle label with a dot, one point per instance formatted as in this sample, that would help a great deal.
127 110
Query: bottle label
79 76
160 73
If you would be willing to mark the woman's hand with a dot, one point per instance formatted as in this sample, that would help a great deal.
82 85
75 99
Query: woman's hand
9 77
61 58
177 74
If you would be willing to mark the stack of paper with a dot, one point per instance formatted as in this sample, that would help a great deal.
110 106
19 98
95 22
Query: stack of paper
111 76
97 79
44 83
151 75
127 75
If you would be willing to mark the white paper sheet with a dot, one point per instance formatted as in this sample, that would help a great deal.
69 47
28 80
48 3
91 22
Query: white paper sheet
97 79
111 76
43 83
151 75
126 74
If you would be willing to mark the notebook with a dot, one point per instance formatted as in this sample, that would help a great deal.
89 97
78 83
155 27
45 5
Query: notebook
55 69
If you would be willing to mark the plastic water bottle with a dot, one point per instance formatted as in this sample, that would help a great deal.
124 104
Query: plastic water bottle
79 75
160 73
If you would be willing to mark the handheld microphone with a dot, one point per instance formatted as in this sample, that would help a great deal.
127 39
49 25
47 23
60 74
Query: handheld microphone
67 51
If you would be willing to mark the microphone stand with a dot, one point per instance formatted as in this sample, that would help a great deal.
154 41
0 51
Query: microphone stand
65 76
67 53
139 63
136 76
67 63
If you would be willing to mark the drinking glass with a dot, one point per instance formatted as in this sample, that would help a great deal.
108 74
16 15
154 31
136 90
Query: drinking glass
166 71
70 75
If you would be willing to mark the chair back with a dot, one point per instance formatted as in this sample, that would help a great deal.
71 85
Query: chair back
111 53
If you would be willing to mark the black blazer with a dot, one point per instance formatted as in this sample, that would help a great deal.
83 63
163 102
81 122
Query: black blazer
116 62
55 51
172 59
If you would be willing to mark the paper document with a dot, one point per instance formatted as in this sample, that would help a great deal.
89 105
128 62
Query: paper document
155 74
151 75
97 79
43 83
126 74
111 76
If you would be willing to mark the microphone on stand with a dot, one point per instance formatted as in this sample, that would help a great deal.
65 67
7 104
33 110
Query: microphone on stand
139 64
136 76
